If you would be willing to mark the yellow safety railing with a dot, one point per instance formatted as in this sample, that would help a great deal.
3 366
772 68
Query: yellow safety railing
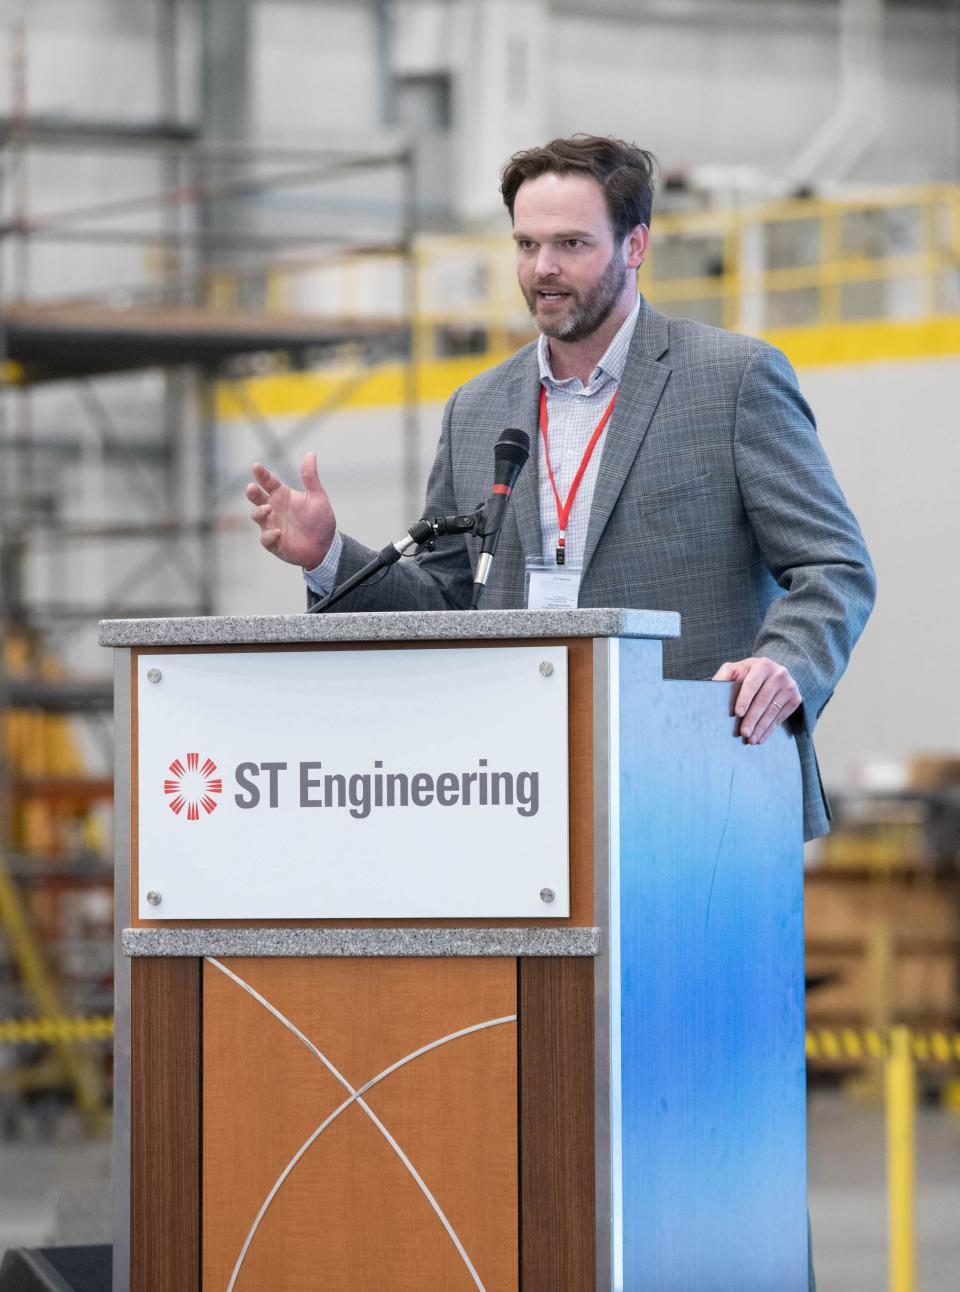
890 254
821 251
76 1068
98 1027
838 280
854 1043
899 1049
42 757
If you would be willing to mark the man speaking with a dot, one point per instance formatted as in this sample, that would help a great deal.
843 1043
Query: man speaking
678 468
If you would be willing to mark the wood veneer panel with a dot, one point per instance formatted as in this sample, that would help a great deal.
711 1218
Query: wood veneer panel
349 1215
558 1231
580 723
165 1126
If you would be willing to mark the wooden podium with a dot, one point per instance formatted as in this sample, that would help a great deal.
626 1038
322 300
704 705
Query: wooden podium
610 1099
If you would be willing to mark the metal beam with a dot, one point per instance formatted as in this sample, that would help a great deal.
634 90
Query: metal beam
360 151
57 131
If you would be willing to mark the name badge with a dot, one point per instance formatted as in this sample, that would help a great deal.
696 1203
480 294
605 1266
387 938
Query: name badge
551 586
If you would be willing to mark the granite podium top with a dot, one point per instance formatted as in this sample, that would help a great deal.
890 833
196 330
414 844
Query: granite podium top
418 625
402 942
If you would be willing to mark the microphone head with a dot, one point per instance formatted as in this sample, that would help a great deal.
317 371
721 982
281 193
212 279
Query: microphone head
513 446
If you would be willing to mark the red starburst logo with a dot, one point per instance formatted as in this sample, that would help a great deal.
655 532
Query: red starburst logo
192 786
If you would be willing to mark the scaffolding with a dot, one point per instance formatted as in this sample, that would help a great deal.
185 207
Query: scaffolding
204 310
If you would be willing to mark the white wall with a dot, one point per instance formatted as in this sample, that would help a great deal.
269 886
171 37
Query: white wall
85 58
313 72
706 83
715 90
890 430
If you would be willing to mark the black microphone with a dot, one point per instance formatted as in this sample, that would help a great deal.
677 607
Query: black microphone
509 456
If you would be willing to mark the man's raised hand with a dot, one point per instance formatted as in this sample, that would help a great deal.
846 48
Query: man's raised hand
297 526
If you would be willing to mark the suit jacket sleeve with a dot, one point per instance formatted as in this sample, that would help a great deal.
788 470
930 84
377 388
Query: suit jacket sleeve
437 580
807 533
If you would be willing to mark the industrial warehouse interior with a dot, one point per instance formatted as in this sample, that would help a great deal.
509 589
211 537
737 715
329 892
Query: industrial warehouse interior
239 230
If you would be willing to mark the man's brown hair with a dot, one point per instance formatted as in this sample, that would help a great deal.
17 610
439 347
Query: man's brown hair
626 173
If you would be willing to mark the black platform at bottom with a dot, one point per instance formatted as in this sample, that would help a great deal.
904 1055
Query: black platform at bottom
57 1269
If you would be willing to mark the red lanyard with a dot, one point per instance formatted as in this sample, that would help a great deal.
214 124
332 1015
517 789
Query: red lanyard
564 508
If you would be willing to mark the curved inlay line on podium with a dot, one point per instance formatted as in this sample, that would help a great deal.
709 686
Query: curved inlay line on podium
355 1096
434 1123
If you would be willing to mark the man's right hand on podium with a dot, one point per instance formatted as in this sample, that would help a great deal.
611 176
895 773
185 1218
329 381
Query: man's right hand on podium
296 525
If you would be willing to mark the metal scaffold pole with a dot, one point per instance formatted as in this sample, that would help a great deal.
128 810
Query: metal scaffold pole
411 383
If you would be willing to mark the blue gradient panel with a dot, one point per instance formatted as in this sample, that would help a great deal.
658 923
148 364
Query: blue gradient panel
711 981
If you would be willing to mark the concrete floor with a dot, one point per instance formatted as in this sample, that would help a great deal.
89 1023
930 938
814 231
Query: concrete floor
59 1192
54 1185
847 1169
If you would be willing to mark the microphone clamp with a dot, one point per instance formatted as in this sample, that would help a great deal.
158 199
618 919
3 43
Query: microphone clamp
468 523
420 534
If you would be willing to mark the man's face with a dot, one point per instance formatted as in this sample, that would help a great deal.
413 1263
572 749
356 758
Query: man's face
572 270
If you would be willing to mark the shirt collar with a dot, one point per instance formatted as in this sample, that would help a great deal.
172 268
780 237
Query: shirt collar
612 363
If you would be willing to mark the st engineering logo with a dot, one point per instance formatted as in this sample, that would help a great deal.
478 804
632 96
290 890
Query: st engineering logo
192 787
310 785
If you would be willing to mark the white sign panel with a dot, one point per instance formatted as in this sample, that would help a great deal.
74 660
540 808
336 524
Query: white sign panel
353 784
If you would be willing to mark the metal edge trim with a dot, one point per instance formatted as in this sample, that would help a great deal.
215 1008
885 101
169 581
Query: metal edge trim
613 942
603 667
122 715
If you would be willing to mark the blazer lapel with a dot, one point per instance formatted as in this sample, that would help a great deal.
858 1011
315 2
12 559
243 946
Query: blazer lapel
641 386
523 400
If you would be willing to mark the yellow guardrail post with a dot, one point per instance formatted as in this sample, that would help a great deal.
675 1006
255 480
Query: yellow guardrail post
831 254
901 1106
731 278
930 243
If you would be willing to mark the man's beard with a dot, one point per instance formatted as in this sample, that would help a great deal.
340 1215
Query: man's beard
588 312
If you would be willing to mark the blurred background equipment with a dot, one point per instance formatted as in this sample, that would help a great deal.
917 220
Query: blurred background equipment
883 905
238 229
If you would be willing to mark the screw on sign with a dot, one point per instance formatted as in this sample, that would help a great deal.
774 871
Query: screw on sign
192 786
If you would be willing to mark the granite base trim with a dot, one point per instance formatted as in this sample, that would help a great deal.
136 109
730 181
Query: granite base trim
361 942
421 625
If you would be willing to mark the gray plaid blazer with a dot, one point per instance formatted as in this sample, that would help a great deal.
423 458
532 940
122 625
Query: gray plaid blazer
714 498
